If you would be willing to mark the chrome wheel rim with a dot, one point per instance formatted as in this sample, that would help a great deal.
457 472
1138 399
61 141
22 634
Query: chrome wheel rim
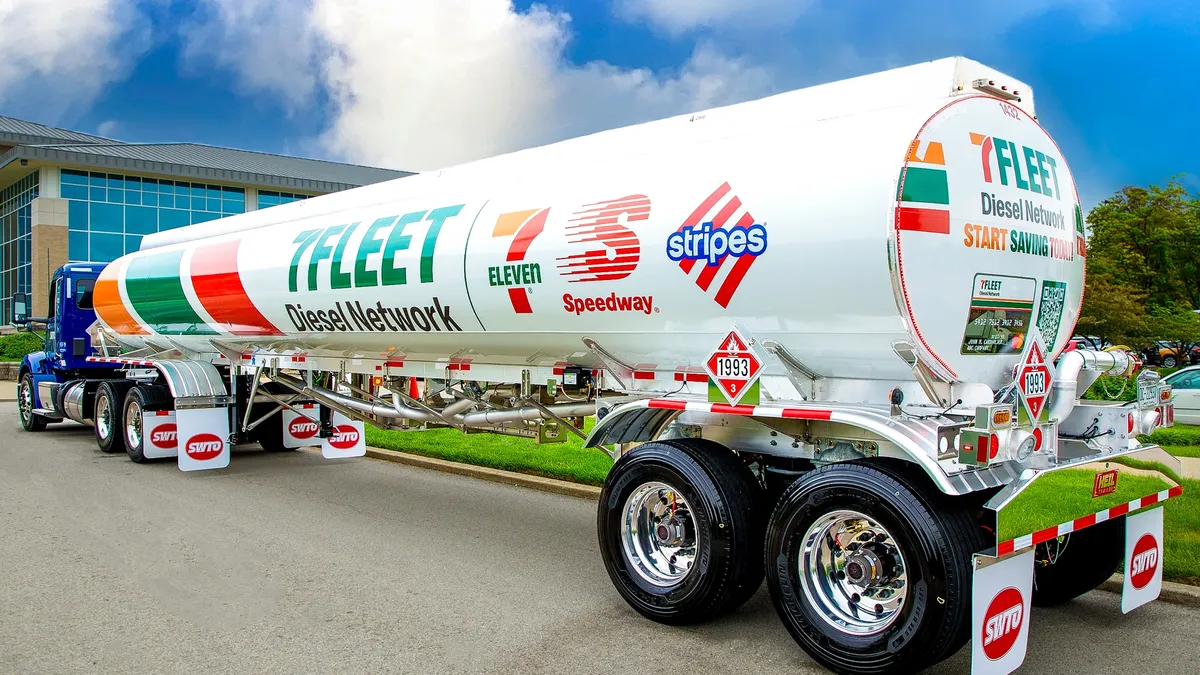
133 425
658 534
103 416
853 573
26 401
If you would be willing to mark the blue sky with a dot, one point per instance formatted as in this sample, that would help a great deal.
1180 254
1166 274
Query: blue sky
420 83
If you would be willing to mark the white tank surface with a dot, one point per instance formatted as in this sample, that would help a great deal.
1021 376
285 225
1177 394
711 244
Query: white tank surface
923 205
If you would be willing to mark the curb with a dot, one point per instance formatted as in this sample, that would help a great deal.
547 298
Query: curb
1174 593
561 487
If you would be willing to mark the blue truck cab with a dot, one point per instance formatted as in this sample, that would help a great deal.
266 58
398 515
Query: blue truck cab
63 358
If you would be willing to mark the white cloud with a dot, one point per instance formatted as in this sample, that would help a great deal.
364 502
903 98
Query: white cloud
430 83
57 56
679 16
108 128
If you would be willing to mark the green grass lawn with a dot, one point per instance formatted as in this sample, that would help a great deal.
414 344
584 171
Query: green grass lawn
565 461
1183 450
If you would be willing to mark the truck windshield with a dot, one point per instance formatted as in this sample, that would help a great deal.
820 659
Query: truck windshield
83 293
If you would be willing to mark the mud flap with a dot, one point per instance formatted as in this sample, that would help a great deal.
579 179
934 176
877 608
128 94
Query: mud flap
348 439
160 436
1000 599
1143 559
300 431
204 438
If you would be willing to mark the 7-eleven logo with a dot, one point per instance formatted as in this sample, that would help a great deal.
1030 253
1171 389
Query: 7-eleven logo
723 238
516 274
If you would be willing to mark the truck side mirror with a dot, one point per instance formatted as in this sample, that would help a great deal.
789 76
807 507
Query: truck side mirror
20 309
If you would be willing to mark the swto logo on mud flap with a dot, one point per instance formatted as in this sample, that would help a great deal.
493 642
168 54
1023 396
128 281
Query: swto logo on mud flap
1144 562
344 437
302 428
1002 623
203 447
165 436
727 243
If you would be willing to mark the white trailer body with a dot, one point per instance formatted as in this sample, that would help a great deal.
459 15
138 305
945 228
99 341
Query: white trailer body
831 322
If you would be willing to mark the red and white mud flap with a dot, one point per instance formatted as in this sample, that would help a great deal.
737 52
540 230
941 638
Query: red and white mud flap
1143 559
300 431
203 438
160 437
348 439
1003 589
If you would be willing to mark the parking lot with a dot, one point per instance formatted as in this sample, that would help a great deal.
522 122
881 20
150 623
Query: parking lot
289 563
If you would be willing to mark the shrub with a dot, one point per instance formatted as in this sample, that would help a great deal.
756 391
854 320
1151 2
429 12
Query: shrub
14 347
1111 388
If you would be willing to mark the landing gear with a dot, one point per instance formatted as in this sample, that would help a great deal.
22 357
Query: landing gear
868 572
680 530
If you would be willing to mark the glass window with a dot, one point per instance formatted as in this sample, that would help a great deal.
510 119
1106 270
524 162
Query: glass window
107 247
69 191
203 217
213 205
132 197
169 219
116 182
106 218
1186 381
83 293
228 207
151 198
77 246
98 194
141 220
77 215
132 243
116 196
70 177
98 180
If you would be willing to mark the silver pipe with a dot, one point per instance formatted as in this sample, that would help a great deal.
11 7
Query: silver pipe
451 414
1082 367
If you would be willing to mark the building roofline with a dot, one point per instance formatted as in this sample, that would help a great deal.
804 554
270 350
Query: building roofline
60 154
60 145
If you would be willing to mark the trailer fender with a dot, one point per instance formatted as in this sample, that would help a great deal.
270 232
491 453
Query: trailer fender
918 439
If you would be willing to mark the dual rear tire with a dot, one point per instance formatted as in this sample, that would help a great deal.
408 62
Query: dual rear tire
869 572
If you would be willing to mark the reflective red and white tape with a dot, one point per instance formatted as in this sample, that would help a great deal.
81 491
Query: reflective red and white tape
128 362
1026 541
746 410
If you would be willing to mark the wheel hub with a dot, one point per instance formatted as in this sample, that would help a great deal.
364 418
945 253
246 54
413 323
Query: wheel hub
852 572
658 534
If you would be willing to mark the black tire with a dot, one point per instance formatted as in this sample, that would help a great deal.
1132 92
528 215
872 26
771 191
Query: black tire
269 433
935 539
142 398
29 420
107 419
723 497
1081 562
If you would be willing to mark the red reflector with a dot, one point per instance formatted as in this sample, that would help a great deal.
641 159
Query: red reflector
1131 423
1037 439
995 449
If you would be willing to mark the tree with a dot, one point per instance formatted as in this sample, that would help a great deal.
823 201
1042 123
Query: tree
1112 311
1178 325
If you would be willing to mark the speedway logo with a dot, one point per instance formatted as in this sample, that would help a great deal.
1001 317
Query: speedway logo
611 303
164 436
1002 623
728 243
608 249
203 447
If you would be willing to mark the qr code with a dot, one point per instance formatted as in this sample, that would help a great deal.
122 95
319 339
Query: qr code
1054 295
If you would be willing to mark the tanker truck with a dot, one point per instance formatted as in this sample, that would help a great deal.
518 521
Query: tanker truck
822 334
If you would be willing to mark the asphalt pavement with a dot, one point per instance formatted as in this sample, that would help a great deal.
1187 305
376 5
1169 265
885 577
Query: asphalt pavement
293 564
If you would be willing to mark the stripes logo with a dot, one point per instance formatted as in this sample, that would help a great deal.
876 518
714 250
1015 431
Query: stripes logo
721 210
604 224
523 227
924 190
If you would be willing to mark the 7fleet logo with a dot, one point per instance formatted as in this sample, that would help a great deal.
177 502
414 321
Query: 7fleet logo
1002 623
1029 169
727 243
